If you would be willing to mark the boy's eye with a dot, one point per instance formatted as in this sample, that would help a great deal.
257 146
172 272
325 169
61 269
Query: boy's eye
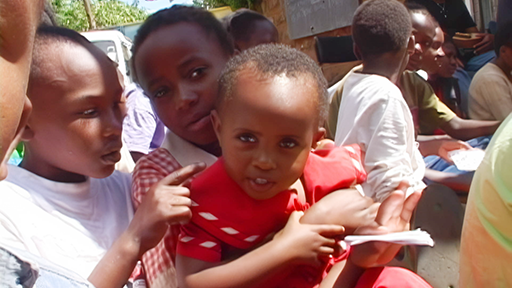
90 112
247 138
160 93
197 72
288 143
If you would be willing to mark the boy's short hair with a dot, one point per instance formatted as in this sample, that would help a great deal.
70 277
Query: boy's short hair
503 37
381 26
178 14
46 35
273 60
240 25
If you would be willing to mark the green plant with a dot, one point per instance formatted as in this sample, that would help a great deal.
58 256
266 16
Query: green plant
71 13
234 4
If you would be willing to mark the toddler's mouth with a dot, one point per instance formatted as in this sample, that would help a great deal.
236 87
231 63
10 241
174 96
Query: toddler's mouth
260 181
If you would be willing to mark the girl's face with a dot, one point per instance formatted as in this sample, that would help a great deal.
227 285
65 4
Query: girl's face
178 67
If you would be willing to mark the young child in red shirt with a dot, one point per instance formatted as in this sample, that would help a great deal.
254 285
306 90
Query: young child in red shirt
268 118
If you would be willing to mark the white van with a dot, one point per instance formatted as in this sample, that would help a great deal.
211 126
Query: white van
116 46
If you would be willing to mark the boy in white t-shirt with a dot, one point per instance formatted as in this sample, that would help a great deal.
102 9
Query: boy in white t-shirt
373 112
65 203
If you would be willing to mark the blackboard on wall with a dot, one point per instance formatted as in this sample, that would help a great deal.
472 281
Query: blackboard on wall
310 17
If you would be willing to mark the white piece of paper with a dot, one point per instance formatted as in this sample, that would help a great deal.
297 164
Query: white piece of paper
467 160
415 237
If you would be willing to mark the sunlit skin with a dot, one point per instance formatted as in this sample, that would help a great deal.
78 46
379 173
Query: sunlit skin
178 67
431 57
424 33
18 22
78 113
267 130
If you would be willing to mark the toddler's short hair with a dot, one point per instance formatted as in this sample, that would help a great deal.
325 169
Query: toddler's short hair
273 60
381 26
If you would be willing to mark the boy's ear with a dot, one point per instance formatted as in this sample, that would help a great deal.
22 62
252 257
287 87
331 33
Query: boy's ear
214 116
357 52
319 135
410 45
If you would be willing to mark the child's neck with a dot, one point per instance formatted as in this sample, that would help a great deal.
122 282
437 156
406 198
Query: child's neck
212 148
43 169
388 65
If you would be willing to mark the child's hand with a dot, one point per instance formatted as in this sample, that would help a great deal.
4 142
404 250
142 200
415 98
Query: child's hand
166 203
394 216
346 207
447 146
305 243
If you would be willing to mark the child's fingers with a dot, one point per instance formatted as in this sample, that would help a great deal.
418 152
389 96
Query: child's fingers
325 250
295 216
329 230
179 214
410 204
403 186
181 201
391 207
179 176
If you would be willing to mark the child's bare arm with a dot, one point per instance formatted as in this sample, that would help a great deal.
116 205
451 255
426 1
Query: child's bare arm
165 203
346 207
297 243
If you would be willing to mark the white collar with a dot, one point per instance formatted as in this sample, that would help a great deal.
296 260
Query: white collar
185 152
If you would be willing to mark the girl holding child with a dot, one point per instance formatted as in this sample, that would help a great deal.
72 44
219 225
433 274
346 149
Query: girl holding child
178 57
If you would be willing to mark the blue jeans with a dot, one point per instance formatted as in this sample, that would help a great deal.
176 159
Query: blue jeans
439 164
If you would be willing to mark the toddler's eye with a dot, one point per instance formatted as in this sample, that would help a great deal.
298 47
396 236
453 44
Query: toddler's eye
288 143
197 72
247 138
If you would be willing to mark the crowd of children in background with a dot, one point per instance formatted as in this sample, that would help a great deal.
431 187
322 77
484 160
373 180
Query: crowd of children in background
246 173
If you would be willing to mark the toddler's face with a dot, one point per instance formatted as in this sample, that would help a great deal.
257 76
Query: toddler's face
77 116
266 131
178 67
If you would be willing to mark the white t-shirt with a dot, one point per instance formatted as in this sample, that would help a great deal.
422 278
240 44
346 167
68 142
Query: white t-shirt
490 94
70 224
374 114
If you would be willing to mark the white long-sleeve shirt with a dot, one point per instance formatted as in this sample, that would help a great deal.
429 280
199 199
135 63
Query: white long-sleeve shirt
374 114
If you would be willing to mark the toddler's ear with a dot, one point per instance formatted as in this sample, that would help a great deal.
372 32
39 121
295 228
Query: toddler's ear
214 116
319 135
27 134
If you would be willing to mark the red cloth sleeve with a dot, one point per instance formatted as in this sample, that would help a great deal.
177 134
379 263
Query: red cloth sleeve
328 170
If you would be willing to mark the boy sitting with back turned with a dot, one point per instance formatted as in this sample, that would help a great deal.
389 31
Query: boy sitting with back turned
373 112
271 106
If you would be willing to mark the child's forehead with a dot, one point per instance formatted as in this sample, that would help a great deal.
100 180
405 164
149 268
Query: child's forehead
252 87
62 60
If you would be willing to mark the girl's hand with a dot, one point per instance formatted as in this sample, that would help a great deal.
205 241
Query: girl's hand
166 203
307 243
